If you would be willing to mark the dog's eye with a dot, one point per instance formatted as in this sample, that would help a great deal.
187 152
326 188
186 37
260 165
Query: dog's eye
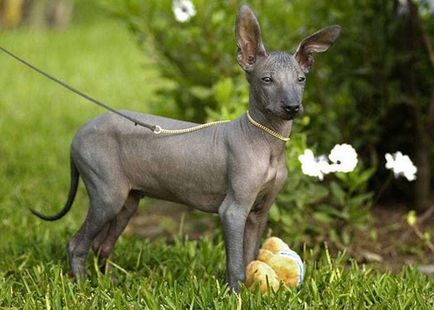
267 79
301 79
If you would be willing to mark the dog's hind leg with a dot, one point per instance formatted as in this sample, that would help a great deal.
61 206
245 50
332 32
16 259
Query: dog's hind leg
104 243
99 240
105 204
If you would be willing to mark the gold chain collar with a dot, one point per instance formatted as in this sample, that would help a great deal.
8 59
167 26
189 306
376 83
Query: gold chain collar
159 130
266 129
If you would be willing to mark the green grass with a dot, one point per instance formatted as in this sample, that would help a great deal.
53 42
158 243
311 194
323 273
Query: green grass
37 122
38 118
188 275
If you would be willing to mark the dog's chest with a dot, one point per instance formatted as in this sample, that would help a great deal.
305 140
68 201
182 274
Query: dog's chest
271 173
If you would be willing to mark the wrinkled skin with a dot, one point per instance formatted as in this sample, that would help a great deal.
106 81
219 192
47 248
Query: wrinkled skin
234 169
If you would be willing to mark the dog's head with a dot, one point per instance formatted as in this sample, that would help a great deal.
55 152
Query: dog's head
277 79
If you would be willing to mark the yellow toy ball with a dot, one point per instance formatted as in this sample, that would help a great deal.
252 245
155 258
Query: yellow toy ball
284 266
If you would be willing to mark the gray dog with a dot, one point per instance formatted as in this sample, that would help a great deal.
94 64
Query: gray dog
235 169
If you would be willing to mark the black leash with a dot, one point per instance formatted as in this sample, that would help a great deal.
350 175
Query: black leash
136 122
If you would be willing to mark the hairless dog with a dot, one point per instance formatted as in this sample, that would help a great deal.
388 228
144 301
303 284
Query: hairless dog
235 169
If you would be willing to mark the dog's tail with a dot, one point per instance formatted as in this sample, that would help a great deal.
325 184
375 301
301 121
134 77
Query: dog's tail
75 176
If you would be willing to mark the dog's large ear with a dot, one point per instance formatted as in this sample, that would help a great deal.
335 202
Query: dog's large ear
249 41
316 43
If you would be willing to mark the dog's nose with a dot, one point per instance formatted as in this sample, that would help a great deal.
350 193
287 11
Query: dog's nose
292 108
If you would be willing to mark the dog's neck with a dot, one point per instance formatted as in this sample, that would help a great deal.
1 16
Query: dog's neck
260 115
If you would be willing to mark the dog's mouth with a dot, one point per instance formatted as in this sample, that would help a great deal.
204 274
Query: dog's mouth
281 113
289 117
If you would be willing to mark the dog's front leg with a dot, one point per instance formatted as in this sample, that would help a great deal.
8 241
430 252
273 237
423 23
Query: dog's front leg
233 215
257 219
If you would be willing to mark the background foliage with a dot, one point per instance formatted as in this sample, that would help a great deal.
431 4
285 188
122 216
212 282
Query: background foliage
359 92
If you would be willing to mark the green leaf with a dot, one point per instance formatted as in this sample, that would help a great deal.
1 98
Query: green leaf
287 221
293 181
338 193
223 91
360 200
274 213
346 238
323 217
360 180
335 212
200 92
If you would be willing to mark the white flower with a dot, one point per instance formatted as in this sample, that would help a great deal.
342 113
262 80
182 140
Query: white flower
183 10
343 157
309 165
401 165
324 165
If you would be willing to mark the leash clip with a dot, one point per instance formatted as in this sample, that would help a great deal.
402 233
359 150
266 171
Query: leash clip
157 129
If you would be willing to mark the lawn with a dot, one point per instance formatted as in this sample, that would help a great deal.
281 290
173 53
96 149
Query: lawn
37 122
